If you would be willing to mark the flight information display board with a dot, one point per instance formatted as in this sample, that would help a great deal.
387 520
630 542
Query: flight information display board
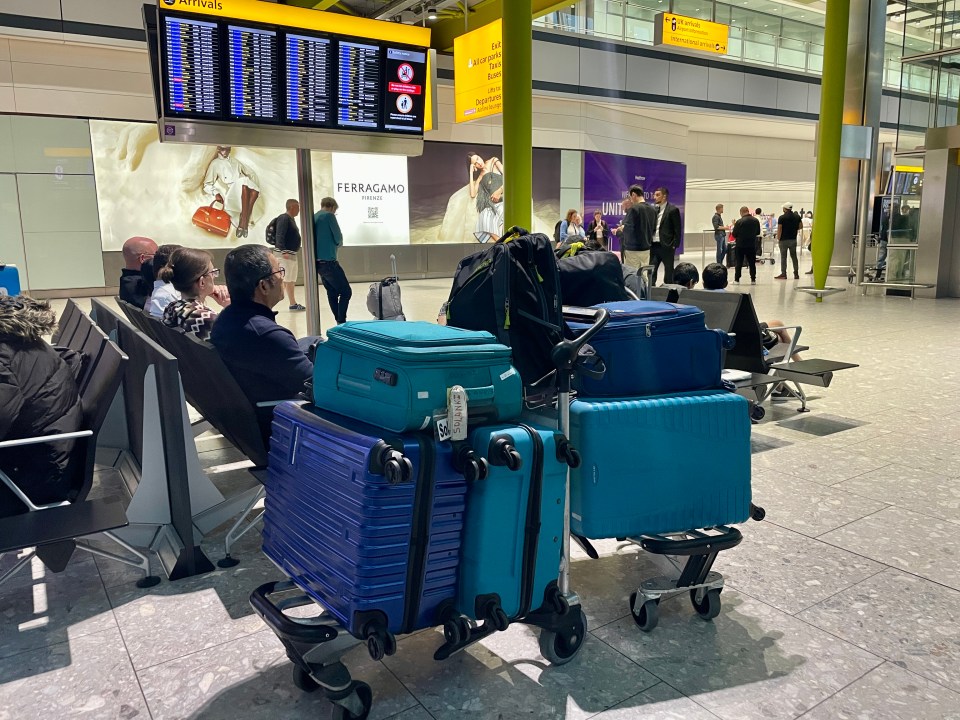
192 77
309 82
225 70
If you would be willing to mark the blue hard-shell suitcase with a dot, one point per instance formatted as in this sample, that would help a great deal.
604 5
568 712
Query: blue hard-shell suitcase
659 464
510 556
9 280
396 374
368 523
654 348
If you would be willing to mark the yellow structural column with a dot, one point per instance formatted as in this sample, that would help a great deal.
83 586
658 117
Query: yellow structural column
836 29
518 113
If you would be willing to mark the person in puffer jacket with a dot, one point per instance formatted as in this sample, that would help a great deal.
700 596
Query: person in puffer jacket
38 396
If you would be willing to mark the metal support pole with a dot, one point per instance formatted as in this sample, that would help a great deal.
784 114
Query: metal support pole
828 139
872 92
305 190
518 112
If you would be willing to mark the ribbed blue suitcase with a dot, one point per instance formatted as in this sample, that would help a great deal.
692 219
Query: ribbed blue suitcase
367 522
659 464
396 374
654 348
511 540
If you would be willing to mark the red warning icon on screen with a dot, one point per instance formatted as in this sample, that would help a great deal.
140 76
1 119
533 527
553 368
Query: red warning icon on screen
404 103
405 72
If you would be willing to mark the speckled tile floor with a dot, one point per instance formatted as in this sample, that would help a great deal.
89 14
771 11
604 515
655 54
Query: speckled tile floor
842 604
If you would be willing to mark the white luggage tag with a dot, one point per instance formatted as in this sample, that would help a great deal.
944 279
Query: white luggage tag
457 413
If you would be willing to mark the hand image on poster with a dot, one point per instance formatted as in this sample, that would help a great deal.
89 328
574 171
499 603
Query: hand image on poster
234 185
489 203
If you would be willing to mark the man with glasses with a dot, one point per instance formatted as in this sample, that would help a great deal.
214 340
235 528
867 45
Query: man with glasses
135 288
264 357
329 239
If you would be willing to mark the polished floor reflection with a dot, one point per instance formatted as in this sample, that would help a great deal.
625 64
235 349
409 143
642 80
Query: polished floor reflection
841 604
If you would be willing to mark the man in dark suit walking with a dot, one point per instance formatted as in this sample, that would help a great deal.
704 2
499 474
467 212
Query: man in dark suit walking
666 236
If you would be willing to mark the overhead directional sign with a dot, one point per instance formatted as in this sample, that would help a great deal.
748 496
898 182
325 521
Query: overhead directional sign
690 33
478 72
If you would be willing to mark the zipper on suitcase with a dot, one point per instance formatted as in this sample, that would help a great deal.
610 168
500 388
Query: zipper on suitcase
531 537
420 533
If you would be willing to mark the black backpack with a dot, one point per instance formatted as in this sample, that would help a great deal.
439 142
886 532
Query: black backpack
589 277
272 232
511 289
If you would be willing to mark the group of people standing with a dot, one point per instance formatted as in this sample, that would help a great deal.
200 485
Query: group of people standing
747 234
650 234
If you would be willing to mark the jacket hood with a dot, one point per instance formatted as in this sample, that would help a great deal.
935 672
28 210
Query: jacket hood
26 319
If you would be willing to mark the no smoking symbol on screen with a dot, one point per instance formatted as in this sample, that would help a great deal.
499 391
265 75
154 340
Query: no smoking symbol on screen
405 72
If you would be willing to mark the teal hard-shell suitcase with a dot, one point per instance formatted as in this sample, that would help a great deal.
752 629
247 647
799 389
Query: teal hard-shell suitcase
659 464
510 551
395 375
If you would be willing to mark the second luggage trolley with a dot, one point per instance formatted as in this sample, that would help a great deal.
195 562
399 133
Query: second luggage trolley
316 643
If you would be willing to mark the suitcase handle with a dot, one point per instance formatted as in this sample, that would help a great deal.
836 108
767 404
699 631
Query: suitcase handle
486 392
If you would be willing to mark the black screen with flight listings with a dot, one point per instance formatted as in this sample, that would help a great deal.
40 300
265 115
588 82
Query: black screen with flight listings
227 70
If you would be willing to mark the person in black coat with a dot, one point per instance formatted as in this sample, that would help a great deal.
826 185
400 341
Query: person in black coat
598 234
666 236
38 396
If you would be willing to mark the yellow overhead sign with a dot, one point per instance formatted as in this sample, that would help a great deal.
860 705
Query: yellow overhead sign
269 13
478 72
690 33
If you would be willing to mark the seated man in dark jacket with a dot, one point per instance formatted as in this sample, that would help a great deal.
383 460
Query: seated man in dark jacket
38 396
136 278
264 357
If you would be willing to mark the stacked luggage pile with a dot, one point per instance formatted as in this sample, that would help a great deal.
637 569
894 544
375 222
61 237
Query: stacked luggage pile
423 487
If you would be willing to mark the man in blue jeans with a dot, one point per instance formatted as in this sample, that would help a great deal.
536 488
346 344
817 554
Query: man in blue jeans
720 234
329 239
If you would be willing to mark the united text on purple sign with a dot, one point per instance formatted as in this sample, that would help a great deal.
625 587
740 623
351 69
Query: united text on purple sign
607 179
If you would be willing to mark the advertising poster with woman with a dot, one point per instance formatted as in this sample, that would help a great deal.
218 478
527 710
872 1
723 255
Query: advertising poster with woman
456 193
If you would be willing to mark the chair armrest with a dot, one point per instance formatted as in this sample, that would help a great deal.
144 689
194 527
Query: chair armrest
46 438
792 345
15 489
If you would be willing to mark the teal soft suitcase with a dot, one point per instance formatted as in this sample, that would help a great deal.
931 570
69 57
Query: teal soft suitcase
659 464
510 551
395 375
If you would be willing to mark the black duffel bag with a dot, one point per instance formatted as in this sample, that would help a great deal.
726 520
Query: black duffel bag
589 277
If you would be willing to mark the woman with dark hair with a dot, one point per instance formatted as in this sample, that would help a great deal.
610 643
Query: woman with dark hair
163 292
192 273
599 232
489 226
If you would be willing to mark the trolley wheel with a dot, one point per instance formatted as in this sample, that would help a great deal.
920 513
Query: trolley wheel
451 631
303 681
709 607
649 615
561 648
499 619
758 412
365 695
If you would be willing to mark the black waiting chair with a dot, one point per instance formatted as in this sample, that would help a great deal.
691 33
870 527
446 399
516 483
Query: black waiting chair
67 324
54 531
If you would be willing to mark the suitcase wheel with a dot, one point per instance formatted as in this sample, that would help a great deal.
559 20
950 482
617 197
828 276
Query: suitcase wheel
560 647
567 453
503 452
647 615
456 630
381 644
469 464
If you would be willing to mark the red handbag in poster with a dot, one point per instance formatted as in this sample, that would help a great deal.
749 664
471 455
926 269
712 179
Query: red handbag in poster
215 220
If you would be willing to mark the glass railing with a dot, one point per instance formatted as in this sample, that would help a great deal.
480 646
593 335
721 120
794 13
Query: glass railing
632 21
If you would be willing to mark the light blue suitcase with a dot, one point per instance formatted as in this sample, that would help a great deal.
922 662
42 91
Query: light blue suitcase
9 280
510 553
660 464
395 375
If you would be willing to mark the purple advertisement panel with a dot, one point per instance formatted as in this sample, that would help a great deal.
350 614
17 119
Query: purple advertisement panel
607 179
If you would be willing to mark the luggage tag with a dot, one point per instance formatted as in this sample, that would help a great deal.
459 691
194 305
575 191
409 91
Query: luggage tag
450 423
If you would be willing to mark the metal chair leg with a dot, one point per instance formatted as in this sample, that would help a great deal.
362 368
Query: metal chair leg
233 536
142 562
18 566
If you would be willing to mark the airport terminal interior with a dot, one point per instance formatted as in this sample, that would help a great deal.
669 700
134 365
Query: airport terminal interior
840 601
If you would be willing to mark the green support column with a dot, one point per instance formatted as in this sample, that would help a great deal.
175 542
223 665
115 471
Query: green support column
518 113
828 138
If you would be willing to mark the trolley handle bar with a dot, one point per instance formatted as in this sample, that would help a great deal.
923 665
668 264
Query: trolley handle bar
659 545
564 353
283 625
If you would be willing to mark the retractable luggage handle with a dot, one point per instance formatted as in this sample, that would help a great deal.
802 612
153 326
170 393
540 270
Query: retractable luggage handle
564 353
